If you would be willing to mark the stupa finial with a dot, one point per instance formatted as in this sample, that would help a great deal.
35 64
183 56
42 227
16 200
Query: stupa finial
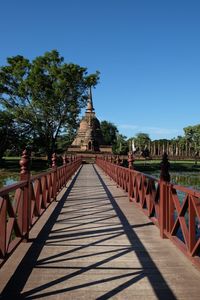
90 107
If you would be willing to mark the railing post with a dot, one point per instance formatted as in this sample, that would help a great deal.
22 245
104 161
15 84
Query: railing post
64 159
25 176
164 195
130 167
54 167
117 160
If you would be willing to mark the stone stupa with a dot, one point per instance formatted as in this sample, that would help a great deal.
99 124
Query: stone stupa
89 137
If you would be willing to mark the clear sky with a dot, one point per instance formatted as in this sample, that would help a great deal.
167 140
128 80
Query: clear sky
148 53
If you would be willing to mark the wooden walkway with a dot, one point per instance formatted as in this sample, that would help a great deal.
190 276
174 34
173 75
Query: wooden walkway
95 244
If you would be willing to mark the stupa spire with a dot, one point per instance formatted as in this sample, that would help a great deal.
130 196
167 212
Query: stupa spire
90 107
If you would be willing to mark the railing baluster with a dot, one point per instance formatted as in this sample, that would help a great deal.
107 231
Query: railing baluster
159 200
16 218
3 221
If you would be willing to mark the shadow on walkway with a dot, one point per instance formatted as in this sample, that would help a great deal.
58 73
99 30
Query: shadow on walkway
106 217
139 251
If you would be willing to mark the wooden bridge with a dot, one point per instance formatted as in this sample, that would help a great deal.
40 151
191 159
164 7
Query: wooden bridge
102 237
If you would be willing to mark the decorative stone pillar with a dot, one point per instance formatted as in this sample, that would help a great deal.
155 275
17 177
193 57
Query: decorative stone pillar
154 148
158 148
130 160
168 151
164 168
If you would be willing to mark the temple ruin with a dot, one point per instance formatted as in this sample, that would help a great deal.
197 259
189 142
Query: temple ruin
89 137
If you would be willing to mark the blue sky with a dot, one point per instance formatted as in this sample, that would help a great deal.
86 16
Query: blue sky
148 53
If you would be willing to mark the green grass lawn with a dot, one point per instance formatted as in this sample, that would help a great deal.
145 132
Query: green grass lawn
175 166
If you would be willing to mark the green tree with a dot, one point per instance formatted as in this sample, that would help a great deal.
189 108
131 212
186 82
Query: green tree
9 136
44 96
192 137
109 131
180 141
192 134
65 139
141 140
121 145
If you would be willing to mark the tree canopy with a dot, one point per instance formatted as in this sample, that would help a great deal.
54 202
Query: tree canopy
8 132
44 96
192 134
121 145
112 137
142 140
109 131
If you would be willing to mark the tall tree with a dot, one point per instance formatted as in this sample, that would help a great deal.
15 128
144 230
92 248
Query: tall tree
192 137
44 96
109 131
142 140
9 136
121 145
192 134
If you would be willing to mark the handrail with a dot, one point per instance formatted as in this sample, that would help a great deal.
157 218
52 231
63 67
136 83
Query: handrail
22 203
12 187
173 208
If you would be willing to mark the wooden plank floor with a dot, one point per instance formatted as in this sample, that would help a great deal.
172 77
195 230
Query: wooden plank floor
98 245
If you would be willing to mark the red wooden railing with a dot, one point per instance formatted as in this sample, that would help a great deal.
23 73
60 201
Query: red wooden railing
173 208
22 203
